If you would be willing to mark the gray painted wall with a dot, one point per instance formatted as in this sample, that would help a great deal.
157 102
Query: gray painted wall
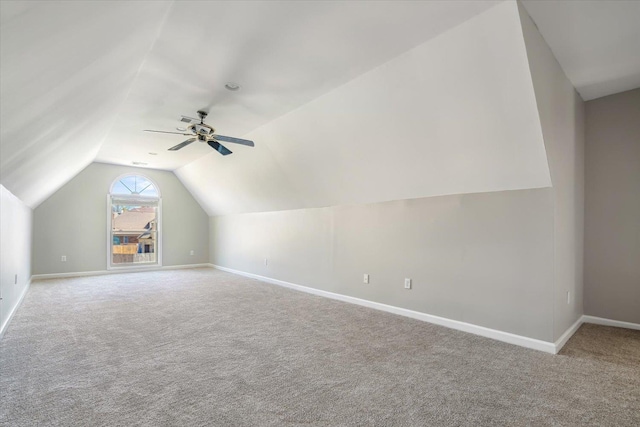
612 213
562 118
73 222
504 260
485 259
16 224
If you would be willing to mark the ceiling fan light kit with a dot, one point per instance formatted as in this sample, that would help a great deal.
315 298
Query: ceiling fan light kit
199 131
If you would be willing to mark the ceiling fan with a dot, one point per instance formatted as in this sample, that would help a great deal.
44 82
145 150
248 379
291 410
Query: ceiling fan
199 131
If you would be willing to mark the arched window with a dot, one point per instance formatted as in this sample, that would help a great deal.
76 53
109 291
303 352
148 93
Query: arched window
134 222
134 185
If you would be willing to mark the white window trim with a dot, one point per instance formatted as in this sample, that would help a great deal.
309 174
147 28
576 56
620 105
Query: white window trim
145 266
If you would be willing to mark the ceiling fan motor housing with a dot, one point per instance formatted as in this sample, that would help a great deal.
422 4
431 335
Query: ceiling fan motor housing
204 133
202 129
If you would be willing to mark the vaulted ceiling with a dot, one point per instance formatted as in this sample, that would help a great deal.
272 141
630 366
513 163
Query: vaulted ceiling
595 42
456 114
348 102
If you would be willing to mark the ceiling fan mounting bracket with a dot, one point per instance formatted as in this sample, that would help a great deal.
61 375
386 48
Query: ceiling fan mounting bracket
202 114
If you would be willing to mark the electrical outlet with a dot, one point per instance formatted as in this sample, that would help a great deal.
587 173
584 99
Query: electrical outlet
407 283
64 258
266 261
366 278
192 252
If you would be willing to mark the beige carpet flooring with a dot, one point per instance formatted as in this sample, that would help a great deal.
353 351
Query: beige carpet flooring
205 348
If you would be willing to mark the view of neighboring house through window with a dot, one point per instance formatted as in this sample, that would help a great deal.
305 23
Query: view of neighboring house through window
134 222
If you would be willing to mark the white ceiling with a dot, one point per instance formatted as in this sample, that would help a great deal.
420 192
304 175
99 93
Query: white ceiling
65 70
456 114
284 54
81 80
597 43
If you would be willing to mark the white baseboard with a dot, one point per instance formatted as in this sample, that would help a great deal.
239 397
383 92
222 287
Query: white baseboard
507 337
4 326
596 321
495 334
116 271
568 334
609 322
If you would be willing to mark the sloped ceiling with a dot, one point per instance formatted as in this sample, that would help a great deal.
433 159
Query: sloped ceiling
597 43
284 54
65 70
456 114
348 102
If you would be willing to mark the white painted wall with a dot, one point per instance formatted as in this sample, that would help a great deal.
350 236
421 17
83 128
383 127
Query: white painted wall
454 115
485 259
16 224
73 222
562 118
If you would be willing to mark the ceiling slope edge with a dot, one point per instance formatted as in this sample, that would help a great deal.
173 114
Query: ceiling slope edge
560 107
454 115
76 77
595 42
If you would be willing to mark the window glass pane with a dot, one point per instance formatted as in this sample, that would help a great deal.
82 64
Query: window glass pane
134 233
119 188
134 184
134 221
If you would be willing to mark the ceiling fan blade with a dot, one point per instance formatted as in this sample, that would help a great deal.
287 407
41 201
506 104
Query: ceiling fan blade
234 140
174 133
219 147
182 144
187 119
